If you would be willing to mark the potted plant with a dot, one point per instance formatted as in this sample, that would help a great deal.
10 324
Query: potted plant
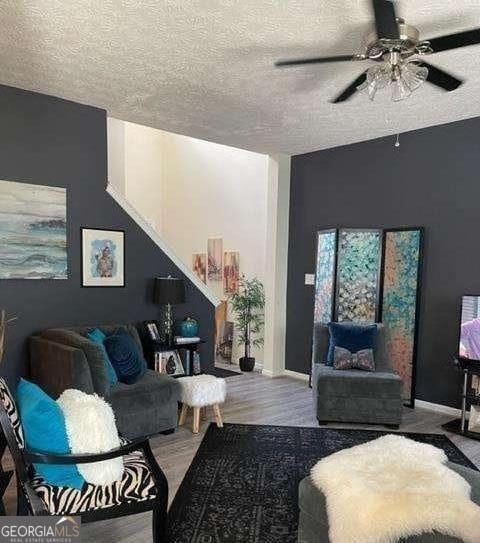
248 305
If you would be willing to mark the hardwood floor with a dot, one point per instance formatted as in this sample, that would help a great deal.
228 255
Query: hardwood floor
251 399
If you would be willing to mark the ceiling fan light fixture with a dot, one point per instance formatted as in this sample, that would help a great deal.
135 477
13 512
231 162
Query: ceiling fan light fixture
404 78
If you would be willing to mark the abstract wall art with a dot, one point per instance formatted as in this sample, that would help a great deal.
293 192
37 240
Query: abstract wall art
103 258
358 275
214 259
231 271
199 266
401 278
325 275
33 231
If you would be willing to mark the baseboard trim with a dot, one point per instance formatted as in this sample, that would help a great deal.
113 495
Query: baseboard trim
447 410
296 375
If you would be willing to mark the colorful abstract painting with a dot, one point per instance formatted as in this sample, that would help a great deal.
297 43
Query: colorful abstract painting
199 266
33 231
400 291
324 276
214 259
231 271
358 275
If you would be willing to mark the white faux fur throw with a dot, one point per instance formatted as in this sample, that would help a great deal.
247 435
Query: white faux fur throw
91 428
391 488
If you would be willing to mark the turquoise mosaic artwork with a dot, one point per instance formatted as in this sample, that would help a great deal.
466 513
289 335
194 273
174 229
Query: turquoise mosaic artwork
400 291
324 277
358 275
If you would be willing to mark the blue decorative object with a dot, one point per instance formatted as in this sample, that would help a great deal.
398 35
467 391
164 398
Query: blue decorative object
354 337
125 357
98 337
44 428
189 327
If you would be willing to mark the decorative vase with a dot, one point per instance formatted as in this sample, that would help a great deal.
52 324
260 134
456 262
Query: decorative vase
189 327
247 363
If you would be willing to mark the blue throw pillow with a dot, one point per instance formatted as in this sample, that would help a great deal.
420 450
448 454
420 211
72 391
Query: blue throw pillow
351 336
97 336
44 429
125 356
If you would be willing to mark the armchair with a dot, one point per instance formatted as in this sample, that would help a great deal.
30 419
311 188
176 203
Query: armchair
143 486
356 395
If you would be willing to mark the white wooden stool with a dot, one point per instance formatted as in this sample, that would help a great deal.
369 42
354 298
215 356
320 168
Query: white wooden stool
199 392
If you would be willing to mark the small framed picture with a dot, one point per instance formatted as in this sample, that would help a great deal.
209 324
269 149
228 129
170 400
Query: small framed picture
103 257
170 363
152 330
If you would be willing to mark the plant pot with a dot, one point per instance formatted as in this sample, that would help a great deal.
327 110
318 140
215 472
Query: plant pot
247 363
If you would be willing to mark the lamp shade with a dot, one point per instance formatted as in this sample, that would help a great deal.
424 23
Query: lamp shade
169 290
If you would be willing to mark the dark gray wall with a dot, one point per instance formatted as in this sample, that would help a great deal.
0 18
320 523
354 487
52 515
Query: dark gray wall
432 180
47 141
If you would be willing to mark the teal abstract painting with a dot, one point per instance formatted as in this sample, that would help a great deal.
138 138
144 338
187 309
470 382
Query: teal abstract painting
324 276
33 231
399 305
359 253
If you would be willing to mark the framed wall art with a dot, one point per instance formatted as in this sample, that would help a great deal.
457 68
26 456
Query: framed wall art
33 231
358 275
401 276
325 275
103 257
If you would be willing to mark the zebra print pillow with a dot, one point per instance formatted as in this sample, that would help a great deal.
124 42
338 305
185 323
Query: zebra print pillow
12 412
136 485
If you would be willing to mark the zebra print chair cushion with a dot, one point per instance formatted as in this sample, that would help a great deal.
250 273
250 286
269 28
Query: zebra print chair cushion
12 412
136 485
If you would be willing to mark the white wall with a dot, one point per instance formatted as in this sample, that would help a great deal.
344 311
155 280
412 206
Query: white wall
212 190
190 190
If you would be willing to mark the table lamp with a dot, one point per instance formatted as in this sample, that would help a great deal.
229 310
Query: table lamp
168 291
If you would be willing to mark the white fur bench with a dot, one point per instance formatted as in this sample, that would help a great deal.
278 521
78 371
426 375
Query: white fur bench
198 392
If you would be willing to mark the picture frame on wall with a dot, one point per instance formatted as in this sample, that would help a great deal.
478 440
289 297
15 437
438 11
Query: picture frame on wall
102 257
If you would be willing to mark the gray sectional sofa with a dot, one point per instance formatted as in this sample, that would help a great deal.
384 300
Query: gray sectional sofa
62 358
355 395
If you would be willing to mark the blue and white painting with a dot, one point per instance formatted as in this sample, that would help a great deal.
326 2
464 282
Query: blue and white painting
103 253
33 231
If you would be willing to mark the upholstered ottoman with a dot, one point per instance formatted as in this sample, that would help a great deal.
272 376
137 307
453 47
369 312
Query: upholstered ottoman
199 392
313 522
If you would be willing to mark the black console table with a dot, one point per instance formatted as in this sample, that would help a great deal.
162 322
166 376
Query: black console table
459 425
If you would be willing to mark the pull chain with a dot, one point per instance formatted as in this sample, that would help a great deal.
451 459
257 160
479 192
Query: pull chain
397 141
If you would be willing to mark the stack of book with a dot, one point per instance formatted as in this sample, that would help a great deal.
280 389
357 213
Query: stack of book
180 340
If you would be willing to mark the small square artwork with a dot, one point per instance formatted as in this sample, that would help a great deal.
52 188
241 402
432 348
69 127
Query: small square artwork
33 231
103 258
231 271
214 259
199 266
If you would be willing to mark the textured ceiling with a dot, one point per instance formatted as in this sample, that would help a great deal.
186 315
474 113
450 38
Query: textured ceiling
204 67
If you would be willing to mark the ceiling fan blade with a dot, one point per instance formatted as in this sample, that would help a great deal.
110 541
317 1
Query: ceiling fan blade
385 19
453 41
441 79
351 89
319 60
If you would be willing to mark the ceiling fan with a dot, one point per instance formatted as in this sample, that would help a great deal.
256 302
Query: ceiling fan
398 51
